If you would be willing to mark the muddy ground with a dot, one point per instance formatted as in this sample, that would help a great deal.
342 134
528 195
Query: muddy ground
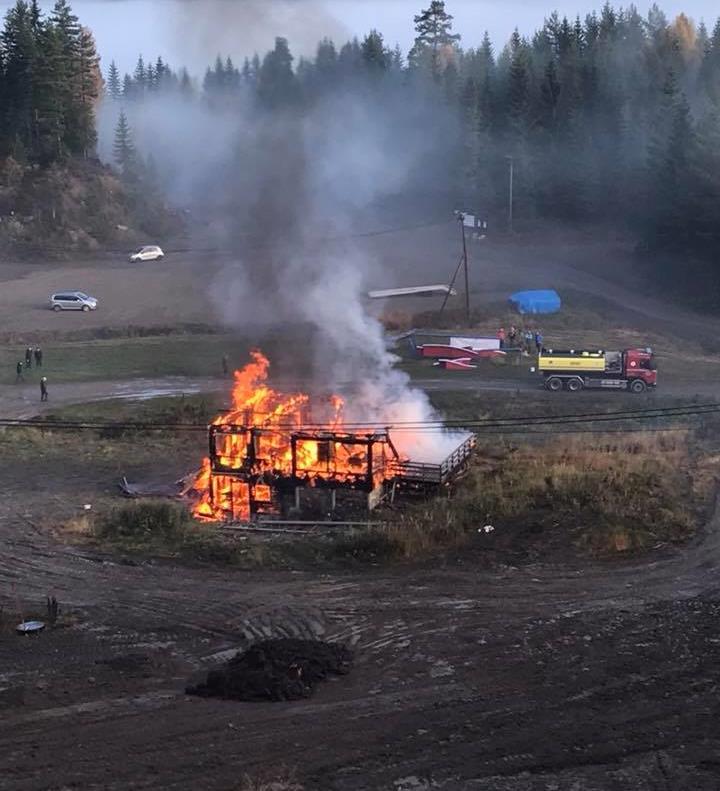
544 673
519 673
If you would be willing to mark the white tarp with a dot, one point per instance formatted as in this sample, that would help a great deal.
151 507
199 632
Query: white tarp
476 344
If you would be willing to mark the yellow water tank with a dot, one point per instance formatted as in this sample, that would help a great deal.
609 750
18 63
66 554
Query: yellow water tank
571 361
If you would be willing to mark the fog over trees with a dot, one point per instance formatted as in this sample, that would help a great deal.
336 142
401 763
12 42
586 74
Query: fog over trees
611 119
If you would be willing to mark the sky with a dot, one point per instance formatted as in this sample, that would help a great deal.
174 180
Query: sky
193 32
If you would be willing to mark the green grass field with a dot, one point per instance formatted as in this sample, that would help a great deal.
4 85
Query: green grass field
199 352
199 408
128 358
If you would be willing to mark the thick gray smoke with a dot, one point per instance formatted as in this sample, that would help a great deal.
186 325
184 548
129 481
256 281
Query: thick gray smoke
278 185
310 179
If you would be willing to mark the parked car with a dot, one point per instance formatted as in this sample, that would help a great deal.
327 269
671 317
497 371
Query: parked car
72 300
150 252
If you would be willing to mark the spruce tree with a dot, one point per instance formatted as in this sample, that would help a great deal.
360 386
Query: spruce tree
113 82
139 77
397 62
232 75
326 58
161 71
49 81
374 54
710 66
124 149
35 16
671 153
245 73
128 87
276 81
87 86
518 98
68 27
20 50
349 59
550 96
706 167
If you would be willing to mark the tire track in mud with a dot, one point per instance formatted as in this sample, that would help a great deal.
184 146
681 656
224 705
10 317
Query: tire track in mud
446 651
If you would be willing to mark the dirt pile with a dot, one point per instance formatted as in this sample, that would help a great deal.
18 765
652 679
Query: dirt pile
284 669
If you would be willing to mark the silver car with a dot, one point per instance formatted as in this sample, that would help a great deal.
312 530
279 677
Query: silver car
150 252
72 300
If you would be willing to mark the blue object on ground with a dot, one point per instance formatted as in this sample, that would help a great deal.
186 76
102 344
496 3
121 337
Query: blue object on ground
542 301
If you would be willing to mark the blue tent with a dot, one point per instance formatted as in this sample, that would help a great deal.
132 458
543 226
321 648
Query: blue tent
544 301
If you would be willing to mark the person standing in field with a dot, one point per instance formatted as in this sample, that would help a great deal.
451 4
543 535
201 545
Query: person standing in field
38 357
18 372
529 337
43 389
538 341
28 357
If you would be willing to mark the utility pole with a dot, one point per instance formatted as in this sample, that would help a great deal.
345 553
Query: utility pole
510 194
461 218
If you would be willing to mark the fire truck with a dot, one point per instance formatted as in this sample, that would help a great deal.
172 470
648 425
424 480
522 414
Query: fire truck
578 369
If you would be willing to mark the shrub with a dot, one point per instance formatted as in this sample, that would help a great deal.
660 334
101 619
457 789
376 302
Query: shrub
374 543
144 521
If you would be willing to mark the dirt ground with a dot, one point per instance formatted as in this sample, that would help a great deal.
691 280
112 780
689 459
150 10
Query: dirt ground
179 289
522 677
548 674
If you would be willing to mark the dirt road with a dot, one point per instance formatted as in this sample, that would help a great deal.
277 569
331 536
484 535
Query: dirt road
523 676
200 287
23 400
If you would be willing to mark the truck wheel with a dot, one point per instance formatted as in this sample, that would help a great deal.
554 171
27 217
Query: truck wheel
637 386
574 385
56 308
554 384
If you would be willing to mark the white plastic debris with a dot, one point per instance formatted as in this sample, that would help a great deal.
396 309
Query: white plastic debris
30 627
87 507
487 529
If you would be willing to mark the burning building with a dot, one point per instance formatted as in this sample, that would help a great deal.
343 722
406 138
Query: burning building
271 446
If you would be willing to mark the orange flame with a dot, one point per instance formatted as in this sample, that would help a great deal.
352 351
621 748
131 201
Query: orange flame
265 436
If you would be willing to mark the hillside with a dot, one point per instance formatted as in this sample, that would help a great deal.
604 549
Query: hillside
75 206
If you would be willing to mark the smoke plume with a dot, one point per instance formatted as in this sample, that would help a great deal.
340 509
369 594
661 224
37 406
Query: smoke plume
242 27
288 191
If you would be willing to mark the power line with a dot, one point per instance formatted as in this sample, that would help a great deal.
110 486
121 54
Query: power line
639 414
499 425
